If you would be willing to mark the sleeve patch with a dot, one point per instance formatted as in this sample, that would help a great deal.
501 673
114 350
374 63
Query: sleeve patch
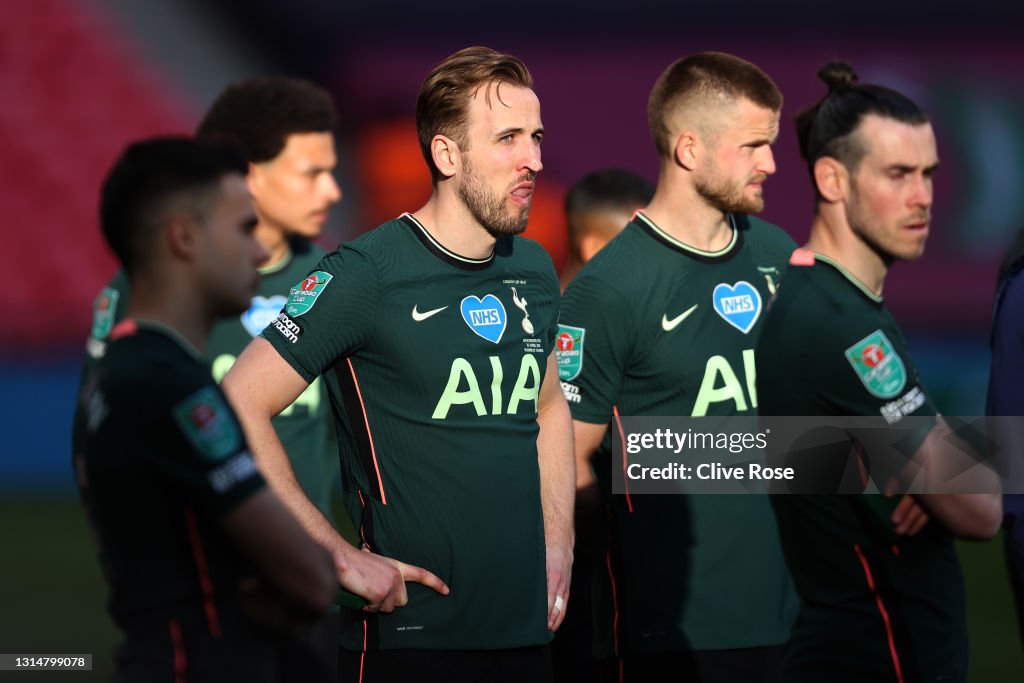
302 297
878 366
569 352
104 313
207 423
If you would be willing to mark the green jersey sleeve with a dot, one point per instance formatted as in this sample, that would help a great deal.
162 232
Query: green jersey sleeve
593 348
210 460
329 314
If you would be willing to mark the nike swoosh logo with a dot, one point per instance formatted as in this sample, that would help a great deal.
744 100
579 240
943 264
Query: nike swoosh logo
420 317
669 325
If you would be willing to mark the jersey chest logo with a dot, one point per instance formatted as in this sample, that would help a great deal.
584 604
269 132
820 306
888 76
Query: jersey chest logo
738 304
486 317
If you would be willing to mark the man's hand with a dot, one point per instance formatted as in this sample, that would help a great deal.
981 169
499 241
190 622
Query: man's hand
380 580
559 572
909 517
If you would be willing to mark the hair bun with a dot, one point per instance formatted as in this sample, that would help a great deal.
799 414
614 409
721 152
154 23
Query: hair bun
837 75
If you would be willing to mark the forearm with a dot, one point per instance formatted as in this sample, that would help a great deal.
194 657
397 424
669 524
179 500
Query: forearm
967 496
289 562
972 516
557 472
259 386
274 464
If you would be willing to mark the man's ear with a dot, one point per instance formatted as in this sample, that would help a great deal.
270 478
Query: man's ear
446 155
181 237
688 150
831 178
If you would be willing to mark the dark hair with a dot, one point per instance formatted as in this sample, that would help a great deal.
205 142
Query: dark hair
445 92
827 129
146 177
612 187
258 115
706 76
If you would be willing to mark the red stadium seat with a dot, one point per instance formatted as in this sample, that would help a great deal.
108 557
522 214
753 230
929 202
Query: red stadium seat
75 91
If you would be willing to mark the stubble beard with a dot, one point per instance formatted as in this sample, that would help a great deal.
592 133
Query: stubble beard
728 197
874 236
488 209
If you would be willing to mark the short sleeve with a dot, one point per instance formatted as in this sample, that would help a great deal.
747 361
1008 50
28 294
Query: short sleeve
328 314
592 348
204 451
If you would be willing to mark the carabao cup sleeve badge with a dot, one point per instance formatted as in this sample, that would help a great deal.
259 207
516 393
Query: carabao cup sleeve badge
569 351
879 367
303 296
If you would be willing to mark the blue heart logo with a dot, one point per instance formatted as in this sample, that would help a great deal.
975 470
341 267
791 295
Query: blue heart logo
739 304
485 316
261 313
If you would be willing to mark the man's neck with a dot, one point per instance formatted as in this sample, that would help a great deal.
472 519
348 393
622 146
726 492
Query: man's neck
687 217
172 306
572 266
832 237
449 222
274 241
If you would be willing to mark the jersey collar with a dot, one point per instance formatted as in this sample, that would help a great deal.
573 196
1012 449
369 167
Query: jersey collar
849 276
280 265
659 235
439 250
173 334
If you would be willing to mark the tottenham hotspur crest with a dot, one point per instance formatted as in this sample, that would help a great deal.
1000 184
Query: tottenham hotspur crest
521 305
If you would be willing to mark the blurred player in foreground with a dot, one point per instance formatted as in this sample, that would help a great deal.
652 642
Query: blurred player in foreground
209 573
283 127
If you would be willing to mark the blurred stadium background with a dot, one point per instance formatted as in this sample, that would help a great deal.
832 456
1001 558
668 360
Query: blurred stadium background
80 78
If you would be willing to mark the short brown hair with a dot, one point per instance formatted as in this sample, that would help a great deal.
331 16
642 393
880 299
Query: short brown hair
706 75
444 94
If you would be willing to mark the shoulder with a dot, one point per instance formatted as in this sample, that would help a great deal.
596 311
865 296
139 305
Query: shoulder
379 247
305 253
623 260
761 233
384 236
151 368
615 275
802 306
382 243
524 251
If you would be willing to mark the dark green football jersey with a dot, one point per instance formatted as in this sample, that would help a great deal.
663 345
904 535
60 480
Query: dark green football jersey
160 459
304 427
438 361
875 606
654 327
